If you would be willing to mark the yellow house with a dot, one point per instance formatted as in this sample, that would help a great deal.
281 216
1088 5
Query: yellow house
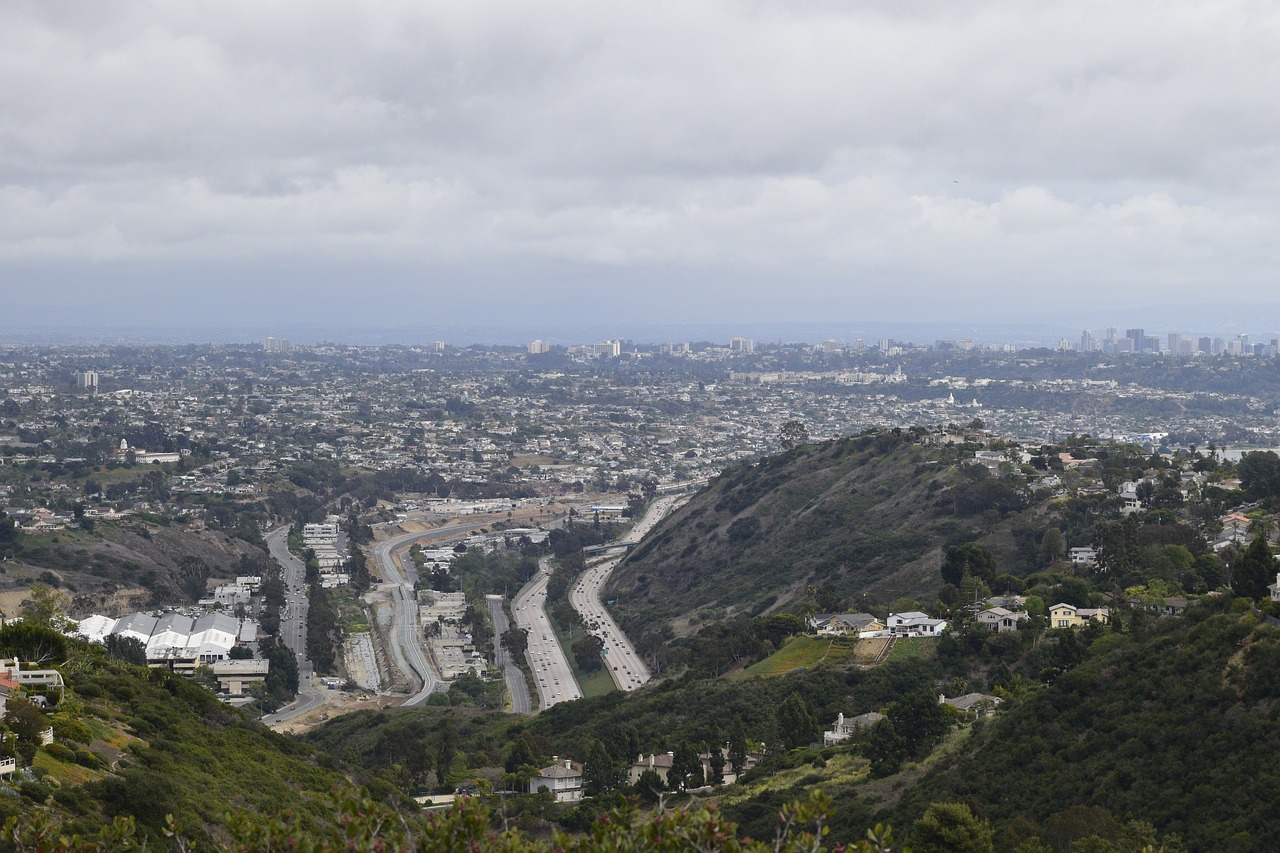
1064 615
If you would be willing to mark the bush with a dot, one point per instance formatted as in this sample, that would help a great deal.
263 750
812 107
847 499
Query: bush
34 791
89 691
67 728
61 753
92 760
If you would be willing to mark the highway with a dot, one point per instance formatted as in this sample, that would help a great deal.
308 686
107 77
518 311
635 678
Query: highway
408 646
514 676
555 680
621 660
293 627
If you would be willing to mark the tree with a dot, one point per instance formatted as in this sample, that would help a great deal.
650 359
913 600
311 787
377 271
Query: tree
45 606
792 434
27 722
885 748
1255 570
686 768
33 642
8 536
951 828
130 649
515 641
520 756
737 747
599 771
1052 546
971 558
649 785
796 722
1259 473
587 652
918 717
446 749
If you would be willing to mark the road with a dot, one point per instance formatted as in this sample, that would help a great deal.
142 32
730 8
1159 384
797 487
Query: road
404 636
555 680
514 676
621 660
293 627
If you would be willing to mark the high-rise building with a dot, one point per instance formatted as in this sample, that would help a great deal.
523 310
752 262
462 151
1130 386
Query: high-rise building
1139 338
1087 343
1175 343
538 347
87 381
742 345
1205 345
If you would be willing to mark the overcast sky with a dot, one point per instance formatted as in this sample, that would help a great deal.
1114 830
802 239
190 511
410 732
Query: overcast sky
401 162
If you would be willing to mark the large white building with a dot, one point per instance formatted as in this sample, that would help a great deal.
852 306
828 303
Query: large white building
171 639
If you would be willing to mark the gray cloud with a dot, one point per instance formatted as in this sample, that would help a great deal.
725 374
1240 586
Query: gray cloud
972 156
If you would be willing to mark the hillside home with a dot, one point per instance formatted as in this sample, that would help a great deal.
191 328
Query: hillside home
845 728
978 704
1069 616
846 624
659 763
563 779
42 686
915 624
998 619
1083 556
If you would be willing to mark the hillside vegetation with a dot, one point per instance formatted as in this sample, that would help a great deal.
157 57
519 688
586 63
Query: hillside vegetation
1175 726
143 744
867 515
133 563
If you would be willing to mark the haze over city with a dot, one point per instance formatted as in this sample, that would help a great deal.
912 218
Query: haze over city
1027 169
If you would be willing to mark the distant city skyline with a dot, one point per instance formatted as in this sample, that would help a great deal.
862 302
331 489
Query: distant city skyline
366 166
740 337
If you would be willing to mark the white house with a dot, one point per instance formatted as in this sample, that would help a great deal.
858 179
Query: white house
1083 556
563 779
915 624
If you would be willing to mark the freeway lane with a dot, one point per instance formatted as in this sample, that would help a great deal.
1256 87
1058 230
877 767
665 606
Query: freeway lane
408 646
408 649
621 660
514 676
555 679
293 627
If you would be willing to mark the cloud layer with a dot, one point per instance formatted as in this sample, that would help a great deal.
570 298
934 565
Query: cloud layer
965 156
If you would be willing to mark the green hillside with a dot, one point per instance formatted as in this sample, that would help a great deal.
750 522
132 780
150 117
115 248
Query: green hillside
1175 727
865 515
139 743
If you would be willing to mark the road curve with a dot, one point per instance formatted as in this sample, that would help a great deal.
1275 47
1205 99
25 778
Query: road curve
404 636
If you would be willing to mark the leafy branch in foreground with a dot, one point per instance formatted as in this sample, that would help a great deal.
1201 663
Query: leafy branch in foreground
360 824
